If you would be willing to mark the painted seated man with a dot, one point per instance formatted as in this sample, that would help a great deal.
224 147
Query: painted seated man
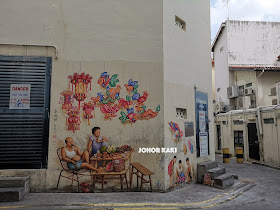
74 158
95 143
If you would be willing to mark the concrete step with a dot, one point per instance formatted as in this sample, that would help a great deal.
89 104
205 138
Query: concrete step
6 182
224 181
13 188
203 167
215 172
12 194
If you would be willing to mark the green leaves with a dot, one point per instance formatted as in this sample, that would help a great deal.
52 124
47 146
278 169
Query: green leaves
113 80
128 98
135 89
158 108
124 117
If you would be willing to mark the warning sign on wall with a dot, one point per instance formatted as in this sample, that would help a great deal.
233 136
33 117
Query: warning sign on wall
20 96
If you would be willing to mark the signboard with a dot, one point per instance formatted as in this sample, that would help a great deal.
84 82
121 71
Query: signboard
20 96
203 142
189 129
202 122
202 125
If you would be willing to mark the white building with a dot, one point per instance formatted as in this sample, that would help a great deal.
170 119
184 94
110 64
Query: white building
164 45
246 64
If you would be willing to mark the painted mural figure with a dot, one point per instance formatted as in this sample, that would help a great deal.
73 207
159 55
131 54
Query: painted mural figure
74 158
73 119
180 174
189 172
171 170
96 142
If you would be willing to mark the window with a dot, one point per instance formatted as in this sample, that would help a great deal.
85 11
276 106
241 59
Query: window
268 121
237 122
181 113
180 23
238 137
224 122
249 84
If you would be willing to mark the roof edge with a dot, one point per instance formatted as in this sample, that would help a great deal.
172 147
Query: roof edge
218 35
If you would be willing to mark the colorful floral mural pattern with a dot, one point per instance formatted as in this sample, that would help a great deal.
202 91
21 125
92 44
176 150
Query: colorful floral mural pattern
178 132
132 108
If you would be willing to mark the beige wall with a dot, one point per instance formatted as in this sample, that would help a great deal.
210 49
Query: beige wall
261 84
134 39
145 133
92 37
186 58
269 141
88 29
267 81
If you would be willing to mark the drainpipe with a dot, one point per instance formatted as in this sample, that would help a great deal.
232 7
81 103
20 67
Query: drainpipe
260 133
257 98
229 123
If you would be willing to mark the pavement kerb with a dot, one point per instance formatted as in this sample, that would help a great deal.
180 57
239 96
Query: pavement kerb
220 199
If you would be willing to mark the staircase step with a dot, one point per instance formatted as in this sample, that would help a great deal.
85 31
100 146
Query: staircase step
215 172
6 182
12 194
203 167
13 188
224 181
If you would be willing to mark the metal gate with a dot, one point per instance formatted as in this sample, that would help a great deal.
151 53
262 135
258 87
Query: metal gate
24 133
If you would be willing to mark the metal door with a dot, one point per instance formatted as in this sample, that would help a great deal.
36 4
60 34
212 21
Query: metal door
254 150
24 133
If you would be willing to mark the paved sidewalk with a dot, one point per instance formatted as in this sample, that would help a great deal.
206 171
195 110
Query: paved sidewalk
257 188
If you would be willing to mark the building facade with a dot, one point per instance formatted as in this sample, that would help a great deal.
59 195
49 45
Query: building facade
148 49
254 130
246 64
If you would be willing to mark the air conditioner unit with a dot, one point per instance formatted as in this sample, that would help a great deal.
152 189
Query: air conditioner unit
241 90
239 104
244 102
248 91
232 92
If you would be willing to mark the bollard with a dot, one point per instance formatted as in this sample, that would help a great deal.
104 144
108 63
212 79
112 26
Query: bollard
239 154
226 155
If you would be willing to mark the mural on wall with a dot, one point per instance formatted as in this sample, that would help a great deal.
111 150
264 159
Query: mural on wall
190 145
81 82
88 108
73 119
179 174
178 132
66 99
132 108
139 110
185 149
171 170
189 171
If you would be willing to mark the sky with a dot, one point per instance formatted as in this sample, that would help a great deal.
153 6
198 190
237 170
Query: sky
249 10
